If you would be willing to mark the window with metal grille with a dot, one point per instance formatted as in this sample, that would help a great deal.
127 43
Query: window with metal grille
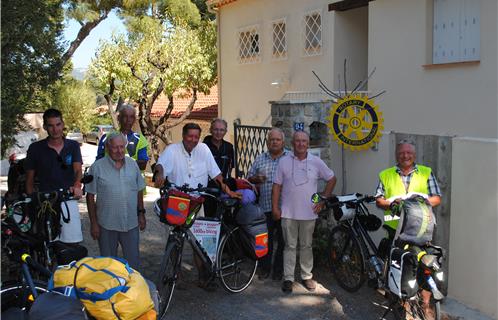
279 37
312 33
249 45
456 31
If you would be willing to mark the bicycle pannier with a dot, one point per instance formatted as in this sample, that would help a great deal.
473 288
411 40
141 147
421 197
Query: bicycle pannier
177 206
254 235
418 221
54 306
402 276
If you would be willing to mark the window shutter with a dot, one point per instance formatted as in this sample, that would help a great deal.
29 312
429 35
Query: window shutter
456 31
470 31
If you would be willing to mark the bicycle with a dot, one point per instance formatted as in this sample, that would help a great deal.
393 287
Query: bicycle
22 292
353 256
232 266
42 225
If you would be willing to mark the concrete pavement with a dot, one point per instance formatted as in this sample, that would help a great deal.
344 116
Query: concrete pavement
262 300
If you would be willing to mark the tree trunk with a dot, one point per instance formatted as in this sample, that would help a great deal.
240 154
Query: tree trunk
82 34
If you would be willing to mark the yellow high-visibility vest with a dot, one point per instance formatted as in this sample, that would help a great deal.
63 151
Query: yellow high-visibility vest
393 186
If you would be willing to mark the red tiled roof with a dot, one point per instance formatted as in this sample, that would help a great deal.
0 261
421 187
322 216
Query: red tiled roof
205 107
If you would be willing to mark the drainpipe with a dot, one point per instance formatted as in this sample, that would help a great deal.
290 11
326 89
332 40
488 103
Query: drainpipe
211 6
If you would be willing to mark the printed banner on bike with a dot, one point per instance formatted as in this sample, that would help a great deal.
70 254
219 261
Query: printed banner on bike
208 234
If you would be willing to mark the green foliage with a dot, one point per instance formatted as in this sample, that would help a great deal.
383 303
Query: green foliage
176 57
76 101
31 49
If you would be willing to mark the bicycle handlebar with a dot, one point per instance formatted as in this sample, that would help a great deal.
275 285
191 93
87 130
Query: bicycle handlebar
35 265
60 194
187 189
350 199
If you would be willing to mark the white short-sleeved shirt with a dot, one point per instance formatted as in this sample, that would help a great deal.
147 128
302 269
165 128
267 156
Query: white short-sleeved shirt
299 180
183 168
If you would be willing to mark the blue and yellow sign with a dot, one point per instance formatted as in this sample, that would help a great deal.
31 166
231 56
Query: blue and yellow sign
355 122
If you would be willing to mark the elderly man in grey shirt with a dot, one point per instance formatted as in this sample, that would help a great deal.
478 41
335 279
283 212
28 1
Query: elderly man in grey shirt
119 210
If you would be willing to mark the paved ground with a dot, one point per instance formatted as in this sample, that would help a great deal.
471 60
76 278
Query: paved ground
262 300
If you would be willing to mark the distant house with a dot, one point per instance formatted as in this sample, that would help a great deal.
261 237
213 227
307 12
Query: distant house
205 109
438 62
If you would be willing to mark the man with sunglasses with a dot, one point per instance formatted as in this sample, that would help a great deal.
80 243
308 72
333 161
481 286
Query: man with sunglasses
294 182
56 163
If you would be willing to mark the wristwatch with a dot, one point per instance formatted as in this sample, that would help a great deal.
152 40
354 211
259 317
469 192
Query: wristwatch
139 211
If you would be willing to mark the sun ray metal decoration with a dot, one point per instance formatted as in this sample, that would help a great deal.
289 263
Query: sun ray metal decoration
354 120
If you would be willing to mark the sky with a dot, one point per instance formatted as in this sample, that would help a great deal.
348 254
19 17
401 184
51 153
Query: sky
86 51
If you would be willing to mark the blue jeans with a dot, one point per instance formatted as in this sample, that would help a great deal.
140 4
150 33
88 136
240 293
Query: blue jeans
274 230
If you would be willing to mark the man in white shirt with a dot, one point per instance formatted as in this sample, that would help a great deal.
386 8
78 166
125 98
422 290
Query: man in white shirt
190 162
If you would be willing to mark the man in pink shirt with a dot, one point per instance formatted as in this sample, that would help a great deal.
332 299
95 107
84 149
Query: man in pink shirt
295 181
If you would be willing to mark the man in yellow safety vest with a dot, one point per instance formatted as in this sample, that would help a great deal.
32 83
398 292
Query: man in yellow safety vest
403 178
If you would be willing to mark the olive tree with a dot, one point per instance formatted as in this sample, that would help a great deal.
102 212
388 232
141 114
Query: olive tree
156 58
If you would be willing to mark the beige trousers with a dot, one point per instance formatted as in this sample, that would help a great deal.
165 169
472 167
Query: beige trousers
294 232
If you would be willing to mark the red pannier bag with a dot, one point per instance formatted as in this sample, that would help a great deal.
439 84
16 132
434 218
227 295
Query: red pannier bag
177 207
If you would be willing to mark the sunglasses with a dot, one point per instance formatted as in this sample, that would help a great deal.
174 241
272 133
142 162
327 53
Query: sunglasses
64 166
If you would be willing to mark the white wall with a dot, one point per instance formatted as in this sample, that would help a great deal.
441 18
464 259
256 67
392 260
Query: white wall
458 99
449 100
473 277
246 88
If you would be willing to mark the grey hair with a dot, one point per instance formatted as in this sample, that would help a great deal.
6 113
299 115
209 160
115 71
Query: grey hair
126 107
275 129
306 133
218 120
406 141
113 135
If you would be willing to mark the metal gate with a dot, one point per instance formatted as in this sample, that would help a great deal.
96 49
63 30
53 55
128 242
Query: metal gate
249 142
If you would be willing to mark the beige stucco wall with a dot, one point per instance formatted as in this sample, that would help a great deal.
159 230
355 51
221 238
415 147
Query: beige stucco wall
474 219
246 88
453 100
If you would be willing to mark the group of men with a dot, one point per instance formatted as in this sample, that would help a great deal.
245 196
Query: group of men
286 181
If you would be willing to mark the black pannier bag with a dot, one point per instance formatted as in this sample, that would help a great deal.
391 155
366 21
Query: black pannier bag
67 253
254 235
54 306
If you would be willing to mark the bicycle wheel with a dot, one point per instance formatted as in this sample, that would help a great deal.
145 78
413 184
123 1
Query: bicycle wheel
18 295
346 259
414 309
166 281
236 270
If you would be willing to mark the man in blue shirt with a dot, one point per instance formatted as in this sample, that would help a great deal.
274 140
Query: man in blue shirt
137 143
56 163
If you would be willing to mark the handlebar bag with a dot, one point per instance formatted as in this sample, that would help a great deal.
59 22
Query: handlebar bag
107 287
254 231
177 206
418 221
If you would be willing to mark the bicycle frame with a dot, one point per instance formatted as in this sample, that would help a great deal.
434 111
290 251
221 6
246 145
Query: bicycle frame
180 234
